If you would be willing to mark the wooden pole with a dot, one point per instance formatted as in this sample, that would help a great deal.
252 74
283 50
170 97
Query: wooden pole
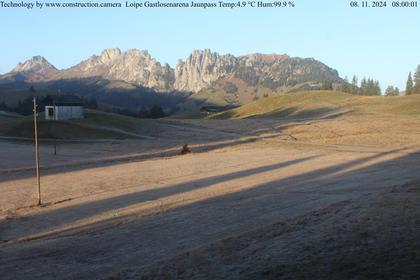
55 131
37 152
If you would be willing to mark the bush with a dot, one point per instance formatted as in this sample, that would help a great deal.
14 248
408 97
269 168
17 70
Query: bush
156 112
185 150
230 88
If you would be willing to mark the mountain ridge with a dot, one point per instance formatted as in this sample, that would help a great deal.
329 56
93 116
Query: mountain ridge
199 71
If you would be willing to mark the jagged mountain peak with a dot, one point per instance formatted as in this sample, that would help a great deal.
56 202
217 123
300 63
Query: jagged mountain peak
133 66
200 70
203 68
136 52
113 56
201 52
37 64
206 54
110 54
267 58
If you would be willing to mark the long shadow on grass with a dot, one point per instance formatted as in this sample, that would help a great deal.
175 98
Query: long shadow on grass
171 150
134 242
67 214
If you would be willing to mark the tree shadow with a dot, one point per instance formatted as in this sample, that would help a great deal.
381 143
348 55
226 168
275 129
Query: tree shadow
170 150
197 145
67 214
132 241
84 210
282 119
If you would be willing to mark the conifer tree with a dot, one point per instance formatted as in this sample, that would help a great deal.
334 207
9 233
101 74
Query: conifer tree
354 85
409 85
345 86
370 87
391 91
363 86
416 88
327 85
376 88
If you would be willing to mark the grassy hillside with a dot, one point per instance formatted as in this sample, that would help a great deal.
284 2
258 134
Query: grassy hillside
6 118
96 125
11 97
313 104
236 92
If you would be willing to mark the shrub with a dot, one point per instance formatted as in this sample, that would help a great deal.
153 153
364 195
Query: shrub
230 88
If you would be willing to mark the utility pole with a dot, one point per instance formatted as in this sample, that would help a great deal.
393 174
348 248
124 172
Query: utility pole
37 152
55 123
55 130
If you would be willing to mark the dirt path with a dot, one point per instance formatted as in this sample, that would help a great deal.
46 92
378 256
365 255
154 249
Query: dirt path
126 216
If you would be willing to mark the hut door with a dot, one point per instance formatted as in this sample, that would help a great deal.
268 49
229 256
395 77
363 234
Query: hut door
51 112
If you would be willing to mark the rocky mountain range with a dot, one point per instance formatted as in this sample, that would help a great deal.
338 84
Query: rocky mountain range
36 68
201 70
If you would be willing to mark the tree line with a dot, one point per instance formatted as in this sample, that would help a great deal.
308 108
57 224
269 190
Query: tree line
155 112
25 106
412 85
372 87
367 86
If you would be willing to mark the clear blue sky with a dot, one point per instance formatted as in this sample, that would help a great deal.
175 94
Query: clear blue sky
378 43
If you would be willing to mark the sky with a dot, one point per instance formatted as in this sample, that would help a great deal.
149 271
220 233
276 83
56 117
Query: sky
379 43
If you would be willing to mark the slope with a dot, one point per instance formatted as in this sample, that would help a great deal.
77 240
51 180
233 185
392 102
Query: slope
96 125
315 104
